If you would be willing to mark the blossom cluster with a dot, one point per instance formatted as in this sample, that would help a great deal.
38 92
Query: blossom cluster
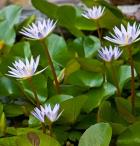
123 36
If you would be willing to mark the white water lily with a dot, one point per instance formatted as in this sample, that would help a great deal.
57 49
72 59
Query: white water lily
109 54
52 114
94 13
39 30
46 111
24 69
39 114
125 36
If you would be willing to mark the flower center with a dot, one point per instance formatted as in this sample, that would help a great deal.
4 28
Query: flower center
127 39
29 71
40 35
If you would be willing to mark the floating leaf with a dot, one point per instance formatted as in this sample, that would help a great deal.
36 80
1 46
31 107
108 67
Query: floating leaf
96 135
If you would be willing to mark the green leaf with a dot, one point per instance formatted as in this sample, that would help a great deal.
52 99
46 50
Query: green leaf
11 15
91 45
77 45
59 98
72 90
64 14
21 49
74 135
3 125
61 134
96 135
8 141
8 87
124 75
1 108
38 82
23 131
97 96
117 128
45 140
71 110
25 23
45 7
85 24
131 136
83 124
11 131
58 49
105 112
85 79
89 64
86 46
33 121
71 67
111 14
13 110
124 109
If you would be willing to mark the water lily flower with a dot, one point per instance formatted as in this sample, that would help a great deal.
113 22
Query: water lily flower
109 54
52 114
47 111
39 30
24 69
125 36
39 114
94 13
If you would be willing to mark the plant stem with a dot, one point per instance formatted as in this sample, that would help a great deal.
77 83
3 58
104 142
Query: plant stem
132 79
50 129
104 73
34 92
99 31
51 65
43 128
114 77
